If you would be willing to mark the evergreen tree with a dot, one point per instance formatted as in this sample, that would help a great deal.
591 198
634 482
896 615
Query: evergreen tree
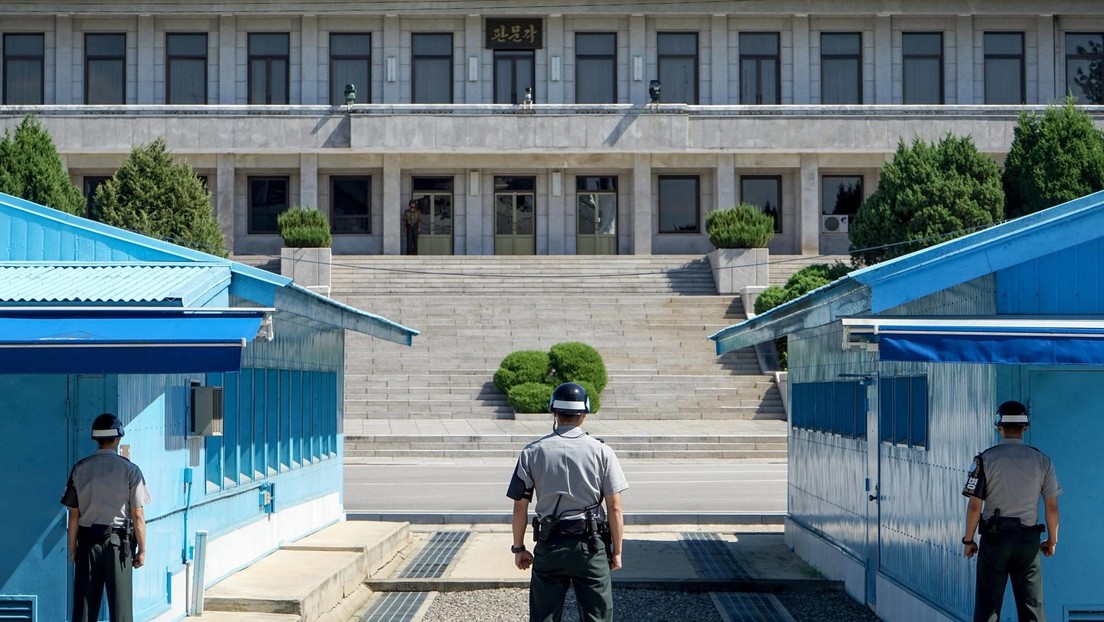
928 193
153 195
1054 158
31 169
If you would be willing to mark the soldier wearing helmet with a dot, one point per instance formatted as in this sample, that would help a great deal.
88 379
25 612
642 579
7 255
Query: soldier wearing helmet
107 527
1004 486
571 474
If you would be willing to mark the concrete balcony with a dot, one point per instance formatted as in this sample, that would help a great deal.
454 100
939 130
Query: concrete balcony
540 129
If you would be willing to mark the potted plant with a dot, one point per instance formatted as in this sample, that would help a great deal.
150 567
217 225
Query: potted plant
306 255
741 235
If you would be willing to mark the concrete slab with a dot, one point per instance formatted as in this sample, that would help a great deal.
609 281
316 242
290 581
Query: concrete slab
228 616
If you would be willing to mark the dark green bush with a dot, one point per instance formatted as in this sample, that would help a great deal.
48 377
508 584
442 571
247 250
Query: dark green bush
595 401
573 361
530 397
521 367
304 228
800 283
769 299
743 226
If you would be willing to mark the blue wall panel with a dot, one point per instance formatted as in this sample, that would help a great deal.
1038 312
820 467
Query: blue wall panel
1051 285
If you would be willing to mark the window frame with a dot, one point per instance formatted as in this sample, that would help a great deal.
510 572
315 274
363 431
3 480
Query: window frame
857 57
250 180
696 57
1021 57
169 58
41 59
758 59
267 58
338 90
335 219
89 58
517 56
611 58
450 58
697 203
910 428
939 58
862 192
1099 57
778 221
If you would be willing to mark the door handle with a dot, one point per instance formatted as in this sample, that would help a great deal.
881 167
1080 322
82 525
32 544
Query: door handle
874 497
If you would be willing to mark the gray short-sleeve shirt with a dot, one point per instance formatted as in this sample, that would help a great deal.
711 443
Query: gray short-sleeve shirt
568 471
1011 477
104 487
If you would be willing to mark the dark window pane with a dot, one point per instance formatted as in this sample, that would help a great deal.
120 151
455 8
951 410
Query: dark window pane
268 68
677 43
678 67
358 45
513 73
595 68
350 63
759 63
24 45
758 44
515 183
922 44
432 184
432 44
105 45
678 205
351 205
91 183
432 68
595 44
840 44
918 411
105 68
766 194
1003 44
922 81
23 70
187 82
585 183
268 197
1003 81
1085 67
186 44
841 82
841 194
525 214
269 44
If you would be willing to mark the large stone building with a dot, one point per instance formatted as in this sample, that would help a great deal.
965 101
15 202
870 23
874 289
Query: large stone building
790 104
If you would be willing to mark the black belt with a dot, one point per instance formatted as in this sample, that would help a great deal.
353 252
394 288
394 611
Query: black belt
571 528
99 531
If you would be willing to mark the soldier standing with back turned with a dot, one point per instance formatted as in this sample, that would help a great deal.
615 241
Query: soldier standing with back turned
107 525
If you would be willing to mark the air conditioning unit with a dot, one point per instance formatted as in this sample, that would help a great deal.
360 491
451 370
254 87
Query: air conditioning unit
834 223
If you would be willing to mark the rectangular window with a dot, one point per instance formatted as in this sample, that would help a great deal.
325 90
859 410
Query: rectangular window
596 199
24 69
760 68
922 67
186 68
903 410
351 205
841 68
840 199
269 62
91 183
830 407
350 63
596 68
679 204
764 192
268 198
677 57
1085 67
513 76
1004 68
431 57
104 68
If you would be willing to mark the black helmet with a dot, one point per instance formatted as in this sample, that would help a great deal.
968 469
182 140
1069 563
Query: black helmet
1012 413
569 399
107 426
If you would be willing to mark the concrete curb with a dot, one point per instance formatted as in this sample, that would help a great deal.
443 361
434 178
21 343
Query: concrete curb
487 518
669 585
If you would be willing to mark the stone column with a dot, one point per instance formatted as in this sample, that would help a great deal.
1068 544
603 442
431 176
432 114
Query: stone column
558 213
225 210
554 46
802 84
144 78
474 221
227 61
883 68
726 181
638 47
308 181
63 61
642 205
1048 89
809 204
310 71
719 60
392 205
964 45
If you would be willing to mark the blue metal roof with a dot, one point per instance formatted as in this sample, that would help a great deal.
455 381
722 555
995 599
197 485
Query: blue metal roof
180 284
895 282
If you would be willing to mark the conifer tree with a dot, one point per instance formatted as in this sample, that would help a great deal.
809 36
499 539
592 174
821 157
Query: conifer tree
31 169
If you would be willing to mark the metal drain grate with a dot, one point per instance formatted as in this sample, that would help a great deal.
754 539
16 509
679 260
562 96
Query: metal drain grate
752 607
713 556
395 607
435 556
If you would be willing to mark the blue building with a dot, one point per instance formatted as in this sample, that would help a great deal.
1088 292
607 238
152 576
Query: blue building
94 319
895 372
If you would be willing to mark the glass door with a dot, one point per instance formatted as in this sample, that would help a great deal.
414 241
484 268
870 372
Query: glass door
434 198
513 72
596 216
515 216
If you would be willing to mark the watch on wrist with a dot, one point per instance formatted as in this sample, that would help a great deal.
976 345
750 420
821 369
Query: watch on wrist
517 549
965 541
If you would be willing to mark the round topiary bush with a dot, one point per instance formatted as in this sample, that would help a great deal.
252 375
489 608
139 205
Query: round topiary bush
530 397
573 361
304 228
743 226
521 367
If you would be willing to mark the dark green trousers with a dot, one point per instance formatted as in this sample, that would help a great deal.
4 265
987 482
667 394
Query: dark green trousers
1004 556
570 561
100 565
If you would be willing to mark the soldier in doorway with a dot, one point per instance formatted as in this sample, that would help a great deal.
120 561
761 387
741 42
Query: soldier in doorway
412 224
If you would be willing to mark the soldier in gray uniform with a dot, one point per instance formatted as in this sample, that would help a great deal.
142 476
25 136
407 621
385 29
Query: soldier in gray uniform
571 473
1008 479
107 526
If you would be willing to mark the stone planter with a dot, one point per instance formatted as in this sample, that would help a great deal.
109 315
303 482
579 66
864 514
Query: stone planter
308 267
737 268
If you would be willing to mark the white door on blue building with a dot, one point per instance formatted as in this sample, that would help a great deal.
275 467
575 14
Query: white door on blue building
1067 423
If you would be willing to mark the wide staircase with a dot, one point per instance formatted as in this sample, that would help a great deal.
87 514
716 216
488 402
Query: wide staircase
649 317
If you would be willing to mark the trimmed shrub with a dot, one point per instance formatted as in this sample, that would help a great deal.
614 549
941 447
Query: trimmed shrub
304 228
800 283
573 361
770 298
743 226
523 366
530 397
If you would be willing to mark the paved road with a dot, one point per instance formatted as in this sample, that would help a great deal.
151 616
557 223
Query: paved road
480 487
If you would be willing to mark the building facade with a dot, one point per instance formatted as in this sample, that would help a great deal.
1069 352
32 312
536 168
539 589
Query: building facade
535 129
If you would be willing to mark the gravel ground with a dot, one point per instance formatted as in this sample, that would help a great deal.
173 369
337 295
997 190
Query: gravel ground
512 605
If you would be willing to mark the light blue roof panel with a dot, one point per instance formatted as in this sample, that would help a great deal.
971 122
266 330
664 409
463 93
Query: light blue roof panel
184 284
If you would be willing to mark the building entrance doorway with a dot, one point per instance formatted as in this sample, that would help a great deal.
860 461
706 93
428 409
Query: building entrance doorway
515 215
596 216
513 73
434 198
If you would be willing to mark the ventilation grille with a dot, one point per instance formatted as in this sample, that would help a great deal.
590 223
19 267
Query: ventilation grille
713 556
435 556
1094 614
753 607
17 608
395 607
